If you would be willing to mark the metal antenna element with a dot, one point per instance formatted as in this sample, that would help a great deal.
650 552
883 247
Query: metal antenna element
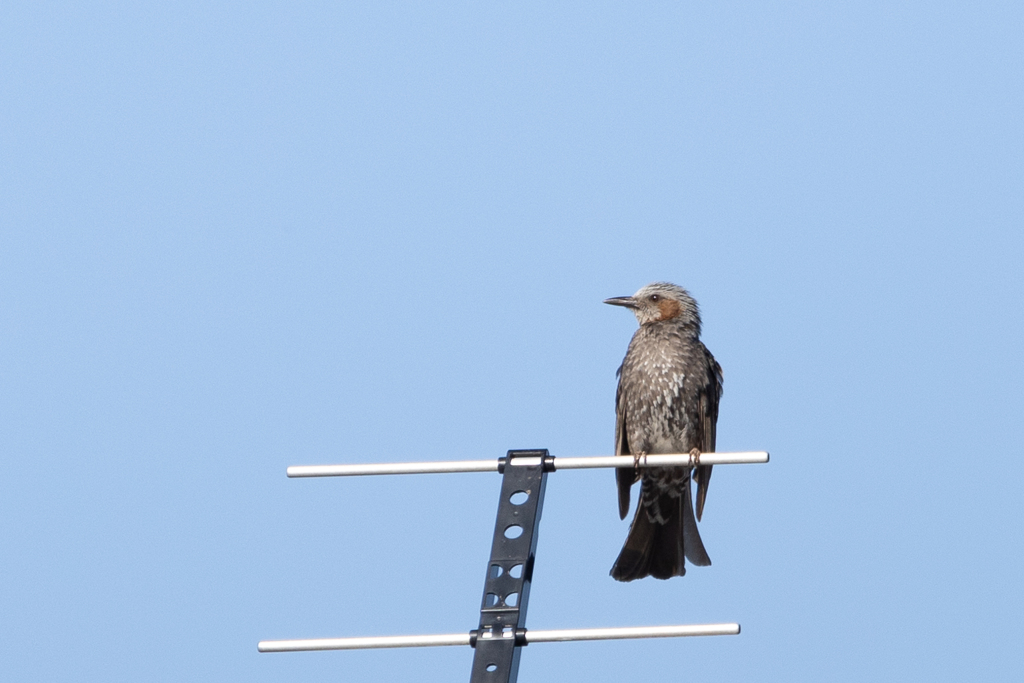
557 464
502 631
510 569
530 637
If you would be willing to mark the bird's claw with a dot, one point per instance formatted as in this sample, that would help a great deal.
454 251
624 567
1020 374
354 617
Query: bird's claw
637 458
695 457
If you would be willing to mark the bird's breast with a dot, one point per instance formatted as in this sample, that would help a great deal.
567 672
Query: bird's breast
653 383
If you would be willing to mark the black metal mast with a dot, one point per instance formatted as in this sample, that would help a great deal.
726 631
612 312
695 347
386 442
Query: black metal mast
510 569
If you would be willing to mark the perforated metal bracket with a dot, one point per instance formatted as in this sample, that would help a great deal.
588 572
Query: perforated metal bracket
502 628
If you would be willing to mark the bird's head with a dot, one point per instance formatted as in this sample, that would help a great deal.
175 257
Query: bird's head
661 301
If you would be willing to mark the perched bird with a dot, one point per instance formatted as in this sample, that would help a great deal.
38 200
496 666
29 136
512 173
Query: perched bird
667 402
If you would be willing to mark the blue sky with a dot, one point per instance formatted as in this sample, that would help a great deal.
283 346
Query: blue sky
238 237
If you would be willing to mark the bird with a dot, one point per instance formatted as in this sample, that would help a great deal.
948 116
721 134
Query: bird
669 387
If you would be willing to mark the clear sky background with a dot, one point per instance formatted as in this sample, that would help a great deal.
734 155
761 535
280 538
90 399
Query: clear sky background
237 237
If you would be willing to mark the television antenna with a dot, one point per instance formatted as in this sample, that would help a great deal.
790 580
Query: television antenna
501 634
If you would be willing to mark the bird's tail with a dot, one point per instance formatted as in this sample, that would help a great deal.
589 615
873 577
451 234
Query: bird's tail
658 550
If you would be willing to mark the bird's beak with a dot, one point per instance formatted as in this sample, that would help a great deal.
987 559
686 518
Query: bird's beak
627 301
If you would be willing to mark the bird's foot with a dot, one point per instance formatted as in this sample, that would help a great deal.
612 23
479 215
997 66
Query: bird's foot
695 457
637 458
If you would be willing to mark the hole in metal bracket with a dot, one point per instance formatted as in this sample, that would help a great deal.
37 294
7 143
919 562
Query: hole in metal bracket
491 600
492 667
519 497
513 531
496 571
516 572
511 599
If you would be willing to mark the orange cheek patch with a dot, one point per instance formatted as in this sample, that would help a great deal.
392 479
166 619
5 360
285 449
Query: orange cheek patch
668 309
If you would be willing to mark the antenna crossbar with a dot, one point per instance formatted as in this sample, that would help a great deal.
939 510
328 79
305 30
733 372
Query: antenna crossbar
529 636
557 463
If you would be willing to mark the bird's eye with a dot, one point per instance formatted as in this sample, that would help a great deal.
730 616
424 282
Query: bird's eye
655 297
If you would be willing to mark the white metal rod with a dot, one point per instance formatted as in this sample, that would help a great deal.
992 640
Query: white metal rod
631 632
393 468
363 643
560 462
532 636
586 463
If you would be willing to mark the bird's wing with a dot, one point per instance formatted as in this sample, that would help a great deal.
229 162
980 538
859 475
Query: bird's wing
708 422
624 478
